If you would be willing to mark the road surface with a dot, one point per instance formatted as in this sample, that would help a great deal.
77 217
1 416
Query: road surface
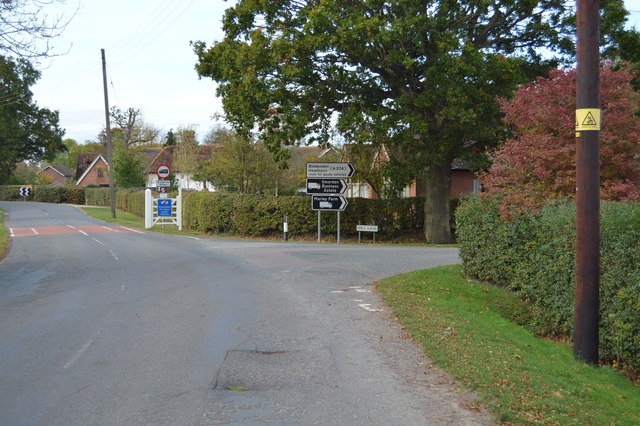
104 325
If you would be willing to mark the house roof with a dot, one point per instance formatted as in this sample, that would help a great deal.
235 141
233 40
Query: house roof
165 156
62 170
88 168
84 161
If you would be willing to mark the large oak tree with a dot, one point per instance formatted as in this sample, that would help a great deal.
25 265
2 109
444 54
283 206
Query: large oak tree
419 76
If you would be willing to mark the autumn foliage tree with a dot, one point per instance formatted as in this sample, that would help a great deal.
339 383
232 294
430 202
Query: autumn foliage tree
538 162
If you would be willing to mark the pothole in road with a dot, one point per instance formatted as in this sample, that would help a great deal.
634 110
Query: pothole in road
268 370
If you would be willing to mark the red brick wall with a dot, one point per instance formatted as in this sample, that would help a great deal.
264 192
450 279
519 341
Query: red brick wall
97 175
461 183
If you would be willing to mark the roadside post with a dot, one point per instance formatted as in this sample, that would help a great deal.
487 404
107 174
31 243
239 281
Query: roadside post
285 228
325 183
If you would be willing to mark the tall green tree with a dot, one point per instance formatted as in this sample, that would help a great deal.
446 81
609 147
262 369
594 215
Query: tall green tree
27 132
419 76
128 168
241 165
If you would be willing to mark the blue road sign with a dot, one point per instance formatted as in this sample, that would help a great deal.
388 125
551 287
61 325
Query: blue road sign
164 207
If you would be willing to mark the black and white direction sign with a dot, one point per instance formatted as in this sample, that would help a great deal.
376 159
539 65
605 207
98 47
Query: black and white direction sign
25 192
328 203
330 170
326 186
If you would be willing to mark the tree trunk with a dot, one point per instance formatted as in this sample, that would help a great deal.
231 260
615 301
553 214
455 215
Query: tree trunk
436 205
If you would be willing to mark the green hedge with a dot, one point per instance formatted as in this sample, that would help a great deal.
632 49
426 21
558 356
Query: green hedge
45 194
10 192
535 255
263 215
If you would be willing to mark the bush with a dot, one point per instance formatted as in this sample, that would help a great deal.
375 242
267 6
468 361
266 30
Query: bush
535 256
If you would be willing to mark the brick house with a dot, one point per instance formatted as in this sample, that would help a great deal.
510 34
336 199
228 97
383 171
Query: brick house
463 180
56 175
92 169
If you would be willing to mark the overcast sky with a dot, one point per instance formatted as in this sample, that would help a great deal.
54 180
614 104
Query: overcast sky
149 60
150 64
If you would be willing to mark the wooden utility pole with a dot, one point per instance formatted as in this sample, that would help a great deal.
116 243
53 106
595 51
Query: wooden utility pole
587 298
112 189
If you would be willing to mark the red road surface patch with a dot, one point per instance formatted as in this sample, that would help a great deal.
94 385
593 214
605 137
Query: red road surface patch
57 230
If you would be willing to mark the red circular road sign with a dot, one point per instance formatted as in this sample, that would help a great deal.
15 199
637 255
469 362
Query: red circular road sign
163 171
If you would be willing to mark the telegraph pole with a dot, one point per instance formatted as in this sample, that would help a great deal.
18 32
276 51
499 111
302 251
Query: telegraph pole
112 190
587 298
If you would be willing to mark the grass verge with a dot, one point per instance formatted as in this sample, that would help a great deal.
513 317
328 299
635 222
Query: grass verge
131 220
521 378
4 236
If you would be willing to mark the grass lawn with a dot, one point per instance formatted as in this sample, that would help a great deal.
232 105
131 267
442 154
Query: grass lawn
521 378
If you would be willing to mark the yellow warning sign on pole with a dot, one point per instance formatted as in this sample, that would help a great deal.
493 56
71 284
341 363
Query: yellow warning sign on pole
587 119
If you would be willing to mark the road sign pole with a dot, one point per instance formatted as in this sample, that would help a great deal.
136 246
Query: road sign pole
338 228
319 213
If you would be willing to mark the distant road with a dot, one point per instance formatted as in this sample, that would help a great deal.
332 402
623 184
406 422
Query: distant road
104 325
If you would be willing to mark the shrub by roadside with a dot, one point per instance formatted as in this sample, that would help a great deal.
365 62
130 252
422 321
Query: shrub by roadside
534 256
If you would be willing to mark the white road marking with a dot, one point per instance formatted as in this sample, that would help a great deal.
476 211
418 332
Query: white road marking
83 233
98 241
34 231
361 290
78 354
367 307
11 232
132 230
114 255
358 300
72 227
338 291
110 229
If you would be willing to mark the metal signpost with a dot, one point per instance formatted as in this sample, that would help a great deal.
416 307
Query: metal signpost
327 179
367 228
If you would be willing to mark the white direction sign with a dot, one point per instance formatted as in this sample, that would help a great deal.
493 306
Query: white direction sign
328 203
367 228
330 170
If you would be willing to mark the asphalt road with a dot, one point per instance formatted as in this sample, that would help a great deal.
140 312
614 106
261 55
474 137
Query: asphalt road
103 325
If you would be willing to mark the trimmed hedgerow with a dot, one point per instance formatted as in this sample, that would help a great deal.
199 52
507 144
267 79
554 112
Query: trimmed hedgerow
97 196
10 193
253 215
535 256
44 194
